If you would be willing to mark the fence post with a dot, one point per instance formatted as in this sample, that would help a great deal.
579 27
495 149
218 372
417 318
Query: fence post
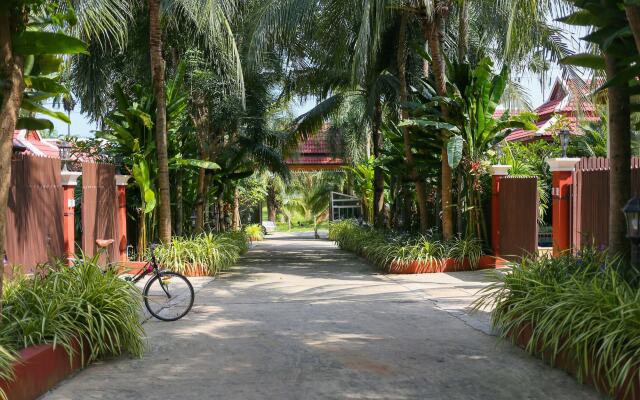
497 173
69 181
562 178
121 187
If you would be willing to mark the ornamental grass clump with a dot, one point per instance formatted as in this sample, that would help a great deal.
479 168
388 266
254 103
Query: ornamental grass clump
63 305
387 249
577 308
209 252
254 232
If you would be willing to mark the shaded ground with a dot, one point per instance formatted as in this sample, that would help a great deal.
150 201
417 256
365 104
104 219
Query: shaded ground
300 319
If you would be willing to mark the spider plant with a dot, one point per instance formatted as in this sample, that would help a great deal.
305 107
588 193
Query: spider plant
60 305
461 249
212 252
576 305
384 249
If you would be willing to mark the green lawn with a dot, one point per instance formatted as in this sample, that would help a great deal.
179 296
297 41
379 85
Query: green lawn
302 227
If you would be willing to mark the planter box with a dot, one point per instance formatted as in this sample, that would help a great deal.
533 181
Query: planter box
566 361
39 369
442 265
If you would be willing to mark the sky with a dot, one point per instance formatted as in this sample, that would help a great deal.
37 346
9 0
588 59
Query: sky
82 127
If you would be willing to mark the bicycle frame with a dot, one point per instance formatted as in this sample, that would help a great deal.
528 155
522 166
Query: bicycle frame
149 267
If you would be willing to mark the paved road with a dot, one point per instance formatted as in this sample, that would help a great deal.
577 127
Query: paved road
299 319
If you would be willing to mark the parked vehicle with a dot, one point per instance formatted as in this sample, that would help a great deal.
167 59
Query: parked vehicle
268 227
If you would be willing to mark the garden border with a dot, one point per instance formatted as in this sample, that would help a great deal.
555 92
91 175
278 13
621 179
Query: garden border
564 360
40 368
443 265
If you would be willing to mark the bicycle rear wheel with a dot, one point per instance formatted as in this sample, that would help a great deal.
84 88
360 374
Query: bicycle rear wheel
168 296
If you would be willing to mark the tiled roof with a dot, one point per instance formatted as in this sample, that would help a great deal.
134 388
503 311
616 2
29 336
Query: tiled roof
560 102
35 145
316 150
307 160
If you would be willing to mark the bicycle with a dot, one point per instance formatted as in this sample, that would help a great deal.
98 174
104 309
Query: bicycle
168 295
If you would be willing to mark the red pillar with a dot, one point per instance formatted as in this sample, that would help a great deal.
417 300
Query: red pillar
562 177
497 173
121 184
69 180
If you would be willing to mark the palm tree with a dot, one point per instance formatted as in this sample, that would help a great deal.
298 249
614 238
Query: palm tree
421 190
206 20
157 77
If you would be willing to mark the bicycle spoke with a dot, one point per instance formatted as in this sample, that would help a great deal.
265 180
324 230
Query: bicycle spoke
168 296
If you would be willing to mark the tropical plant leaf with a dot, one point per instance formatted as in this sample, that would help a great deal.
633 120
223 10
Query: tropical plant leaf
44 84
32 106
585 60
198 163
38 42
425 123
454 150
35 124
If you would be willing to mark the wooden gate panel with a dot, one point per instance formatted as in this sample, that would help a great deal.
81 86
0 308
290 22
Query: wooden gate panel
99 208
518 217
590 201
34 216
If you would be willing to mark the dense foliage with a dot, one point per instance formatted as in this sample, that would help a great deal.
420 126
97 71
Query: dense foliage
254 232
211 252
400 249
577 305
60 304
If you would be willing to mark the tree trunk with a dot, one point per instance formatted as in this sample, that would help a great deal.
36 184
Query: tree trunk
179 223
633 15
236 209
463 30
12 67
460 204
157 76
421 189
272 207
221 212
407 198
619 160
378 173
200 200
142 231
439 71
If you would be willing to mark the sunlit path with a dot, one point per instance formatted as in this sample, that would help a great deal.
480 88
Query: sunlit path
300 319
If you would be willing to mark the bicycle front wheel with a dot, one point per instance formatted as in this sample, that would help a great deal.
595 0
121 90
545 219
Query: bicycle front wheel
168 296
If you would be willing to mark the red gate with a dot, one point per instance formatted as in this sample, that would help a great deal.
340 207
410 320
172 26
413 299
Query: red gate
518 217
34 212
99 211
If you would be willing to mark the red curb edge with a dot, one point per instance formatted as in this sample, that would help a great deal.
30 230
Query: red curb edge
39 369
444 265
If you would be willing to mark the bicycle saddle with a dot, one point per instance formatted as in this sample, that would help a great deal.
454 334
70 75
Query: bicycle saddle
102 243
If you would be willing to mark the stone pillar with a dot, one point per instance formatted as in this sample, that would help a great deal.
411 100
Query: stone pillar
69 180
121 186
562 178
497 173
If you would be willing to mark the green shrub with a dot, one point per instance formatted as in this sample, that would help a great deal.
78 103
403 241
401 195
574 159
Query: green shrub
579 304
213 252
254 232
384 248
62 304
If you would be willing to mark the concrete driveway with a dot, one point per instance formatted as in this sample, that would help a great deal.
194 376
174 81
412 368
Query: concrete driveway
301 319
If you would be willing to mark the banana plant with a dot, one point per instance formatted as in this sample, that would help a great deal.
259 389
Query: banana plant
473 95
131 132
42 51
